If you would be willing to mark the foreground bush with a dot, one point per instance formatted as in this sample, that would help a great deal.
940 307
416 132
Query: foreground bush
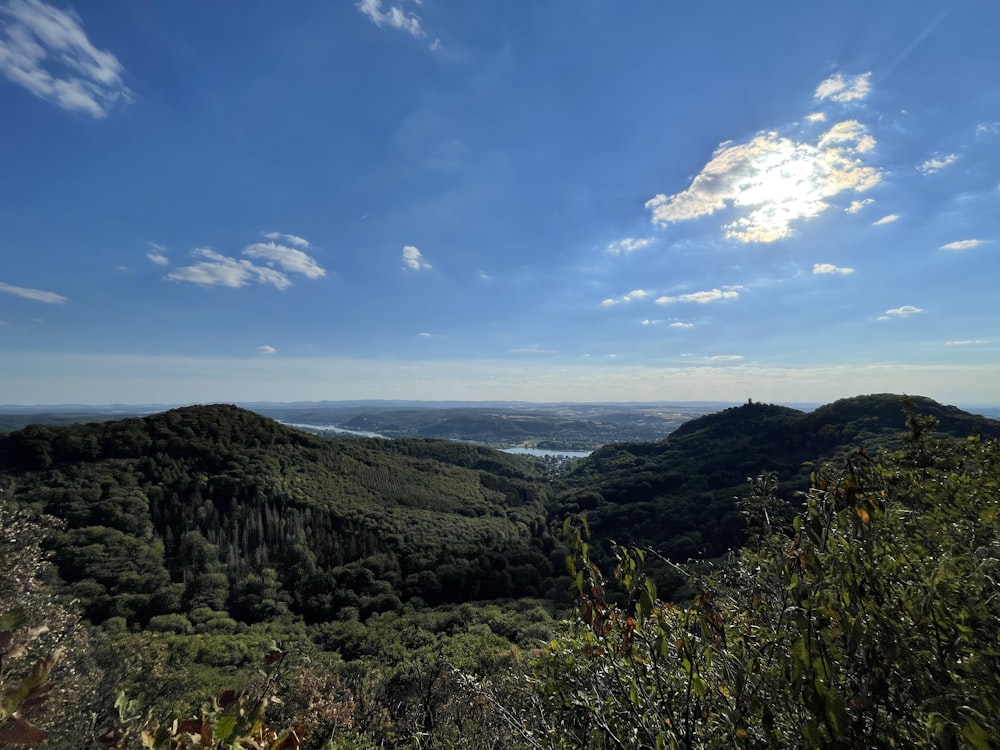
871 623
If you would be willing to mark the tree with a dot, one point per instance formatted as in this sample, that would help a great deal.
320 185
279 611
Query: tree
871 623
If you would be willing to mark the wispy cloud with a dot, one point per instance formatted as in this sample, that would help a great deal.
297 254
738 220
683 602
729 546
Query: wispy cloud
158 254
413 259
220 270
987 130
288 259
712 295
629 297
937 163
841 88
773 181
962 245
393 17
681 324
291 239
858 205
216 269
850 132
532 349
828 268
816 117
651 322
725 358
45 50
629 244
888 219
900 312
266 350
965 342
38 295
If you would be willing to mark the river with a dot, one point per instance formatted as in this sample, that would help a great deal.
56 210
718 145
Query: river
364 433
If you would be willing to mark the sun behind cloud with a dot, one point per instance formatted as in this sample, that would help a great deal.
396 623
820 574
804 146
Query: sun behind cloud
773 180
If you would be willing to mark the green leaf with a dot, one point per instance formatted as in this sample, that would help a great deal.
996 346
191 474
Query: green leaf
976 735
225 728
810 730
645 605
836 713
12 619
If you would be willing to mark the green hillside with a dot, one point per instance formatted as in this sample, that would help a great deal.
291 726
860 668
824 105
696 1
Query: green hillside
677 495
216 507
219 510
403 591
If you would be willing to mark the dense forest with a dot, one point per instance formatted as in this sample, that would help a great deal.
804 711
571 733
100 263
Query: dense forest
219 509
376 585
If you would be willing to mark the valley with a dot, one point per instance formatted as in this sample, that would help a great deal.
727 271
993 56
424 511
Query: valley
189 538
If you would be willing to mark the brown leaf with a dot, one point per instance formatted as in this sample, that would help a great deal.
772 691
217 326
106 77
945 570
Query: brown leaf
19 732
226 698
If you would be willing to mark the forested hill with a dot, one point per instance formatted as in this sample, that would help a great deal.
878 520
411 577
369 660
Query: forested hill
199 538
678 494
220 514
217 511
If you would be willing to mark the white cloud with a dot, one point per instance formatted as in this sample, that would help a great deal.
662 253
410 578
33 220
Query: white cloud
158 254
886 220
848 131
965 342
841 88
987 129
628 297
394 17
291 239
46 51
816 117
628 245
413 259
38 295
726 358
680 324
220 270
904 311
962 245
937 163
216 269
649 322
266 350
825 268
712 295
773 181
288 259
858 205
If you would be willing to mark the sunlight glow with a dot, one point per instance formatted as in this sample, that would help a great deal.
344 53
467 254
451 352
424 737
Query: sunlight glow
776 180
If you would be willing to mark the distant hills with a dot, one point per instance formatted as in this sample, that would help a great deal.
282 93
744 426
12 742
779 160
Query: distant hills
677 494
222 514
556 426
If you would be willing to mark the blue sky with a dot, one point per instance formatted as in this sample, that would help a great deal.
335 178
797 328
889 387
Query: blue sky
542 201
